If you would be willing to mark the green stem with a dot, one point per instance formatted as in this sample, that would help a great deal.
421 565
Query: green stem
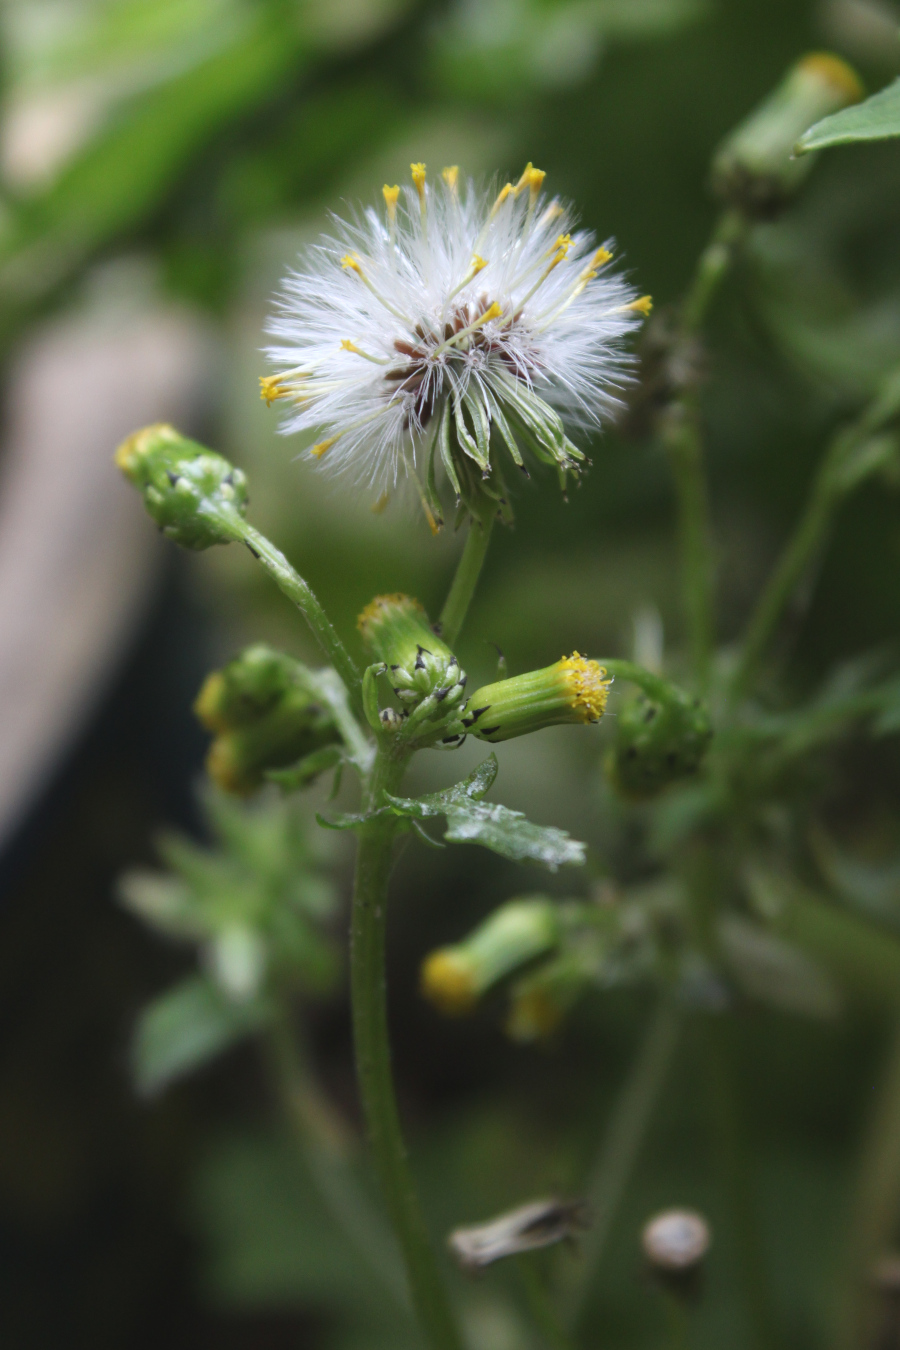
712 268
466 579
622 1142
678 1319
297 590
326 1144
373 1066
653 685
875 1209
737 1178
681 437
540 1305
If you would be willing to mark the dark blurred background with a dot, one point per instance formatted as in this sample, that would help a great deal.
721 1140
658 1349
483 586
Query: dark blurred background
161 161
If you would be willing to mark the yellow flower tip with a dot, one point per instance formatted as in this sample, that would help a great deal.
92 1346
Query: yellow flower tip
270 389
494 311
450 176
836 72
208 702
523 181
434 525
131 449
477 265
642 306
377 507
501 197
350 263
533 179
323 446
379 609
533 1017
587 686
601 257
391 197
418 177
447 982
223 767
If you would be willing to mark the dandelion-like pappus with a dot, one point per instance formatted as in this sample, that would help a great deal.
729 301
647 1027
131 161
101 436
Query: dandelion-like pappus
449 330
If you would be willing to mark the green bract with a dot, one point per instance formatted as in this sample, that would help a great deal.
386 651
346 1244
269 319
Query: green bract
658 740
195 496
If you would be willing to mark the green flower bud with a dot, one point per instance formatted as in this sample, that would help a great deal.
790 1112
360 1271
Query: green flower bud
658 740
395 628
454 978
540 1001
754 168
574 690
195 496
264 715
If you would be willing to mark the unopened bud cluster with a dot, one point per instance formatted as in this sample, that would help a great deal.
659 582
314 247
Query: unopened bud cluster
425 674
658 741
194 495
264 715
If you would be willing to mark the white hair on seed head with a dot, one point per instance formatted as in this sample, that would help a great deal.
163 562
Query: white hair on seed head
494 309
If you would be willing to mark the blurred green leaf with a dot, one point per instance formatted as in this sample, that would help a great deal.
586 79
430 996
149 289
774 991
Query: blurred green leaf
127 171
774 971
875 120
185 1028
472 821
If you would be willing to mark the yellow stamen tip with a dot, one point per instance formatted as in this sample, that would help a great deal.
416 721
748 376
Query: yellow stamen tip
270 389
450 176
643 305
494 312
350 262
378 507
418 177
319 449
391 197
601 257
525 179
447 983
587 685
501 197
477 264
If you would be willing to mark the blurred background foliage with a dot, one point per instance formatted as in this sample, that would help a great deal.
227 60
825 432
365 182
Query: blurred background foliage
185 149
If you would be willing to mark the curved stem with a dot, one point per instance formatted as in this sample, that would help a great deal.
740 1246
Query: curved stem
296 589
373 1066
653 685
712 268
622 1142
326 1144
468 571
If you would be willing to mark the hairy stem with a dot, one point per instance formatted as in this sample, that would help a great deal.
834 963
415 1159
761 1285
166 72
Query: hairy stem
876 1207
621 1144
681 437
712 268
373 1065
468 571
540 1305
326 1145
297 590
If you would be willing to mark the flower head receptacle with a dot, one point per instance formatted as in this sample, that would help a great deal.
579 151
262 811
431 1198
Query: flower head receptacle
395 629
452 334
193 494
754 169
572 691
265 715
455 978
658 741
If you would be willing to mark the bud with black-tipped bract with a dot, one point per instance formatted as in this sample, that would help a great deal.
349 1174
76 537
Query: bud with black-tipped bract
265 714
195 496
454 978
660 738
754 168
421 667
573 691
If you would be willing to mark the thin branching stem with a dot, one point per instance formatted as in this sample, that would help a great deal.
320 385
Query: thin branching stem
621 1145
466 578
373 1059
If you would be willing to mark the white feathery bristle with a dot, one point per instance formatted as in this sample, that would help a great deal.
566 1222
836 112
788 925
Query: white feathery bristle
361 329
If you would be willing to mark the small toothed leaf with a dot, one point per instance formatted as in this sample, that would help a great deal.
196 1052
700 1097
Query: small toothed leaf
473 821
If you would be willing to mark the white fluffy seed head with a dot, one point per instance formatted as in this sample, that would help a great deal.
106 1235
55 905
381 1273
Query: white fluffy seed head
490 311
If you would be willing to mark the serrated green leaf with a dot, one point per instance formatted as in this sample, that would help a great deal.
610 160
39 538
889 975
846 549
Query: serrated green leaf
877 119
509 833
185 1028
